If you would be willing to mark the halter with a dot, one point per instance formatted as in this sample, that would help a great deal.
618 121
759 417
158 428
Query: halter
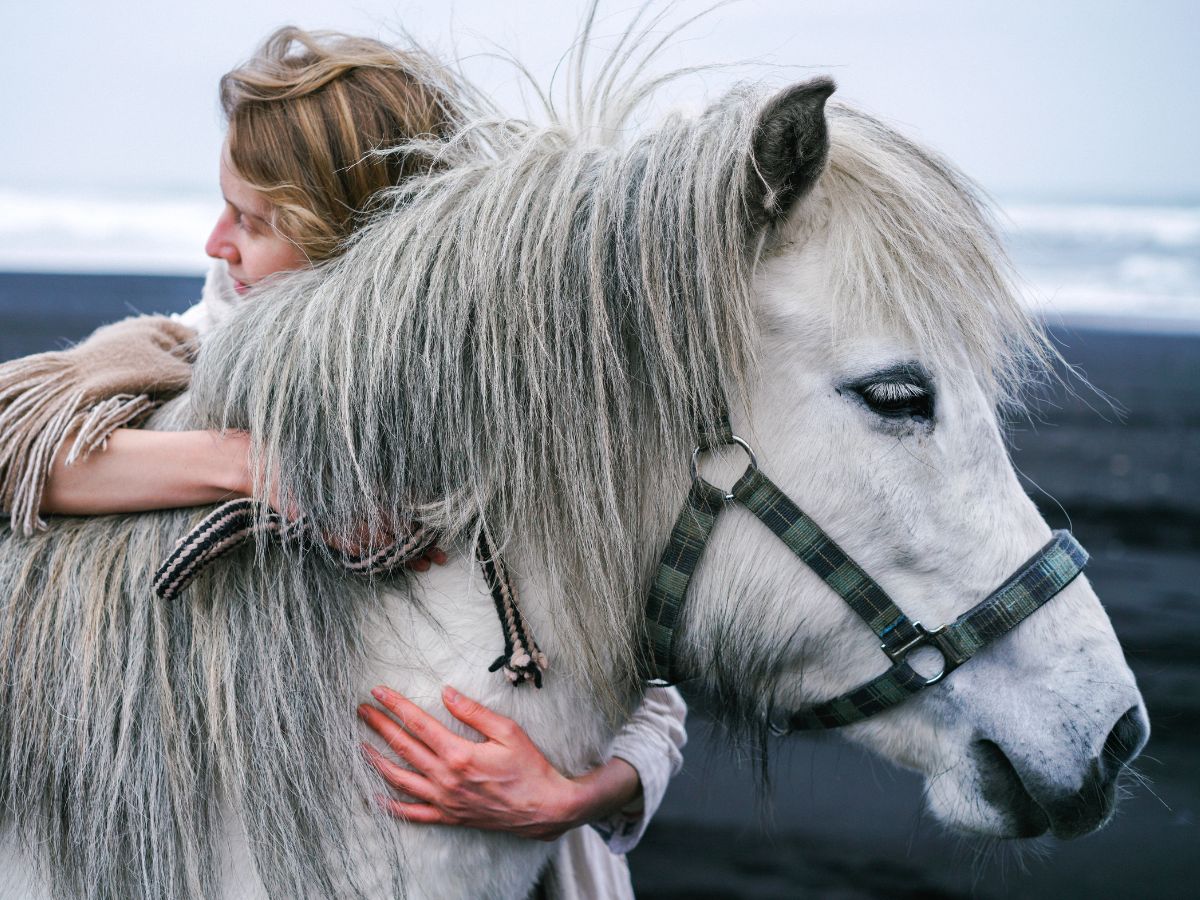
1042 577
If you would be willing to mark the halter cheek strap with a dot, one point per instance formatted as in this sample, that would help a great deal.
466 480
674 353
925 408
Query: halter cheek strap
1042 577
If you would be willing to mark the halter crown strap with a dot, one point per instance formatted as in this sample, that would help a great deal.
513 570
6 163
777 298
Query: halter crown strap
669 589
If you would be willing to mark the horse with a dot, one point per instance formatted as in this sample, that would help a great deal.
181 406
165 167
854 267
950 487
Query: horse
529 337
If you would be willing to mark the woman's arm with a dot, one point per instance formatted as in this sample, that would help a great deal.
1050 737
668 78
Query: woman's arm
78 398
652 743
140 470
503 783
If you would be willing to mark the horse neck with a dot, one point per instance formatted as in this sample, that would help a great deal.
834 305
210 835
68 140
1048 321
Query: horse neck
444 630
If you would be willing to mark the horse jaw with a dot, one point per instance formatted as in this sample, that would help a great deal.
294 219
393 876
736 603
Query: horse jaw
1029 736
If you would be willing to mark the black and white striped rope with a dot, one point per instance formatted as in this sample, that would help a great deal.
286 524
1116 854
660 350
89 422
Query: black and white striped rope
522 659
226 528
238 522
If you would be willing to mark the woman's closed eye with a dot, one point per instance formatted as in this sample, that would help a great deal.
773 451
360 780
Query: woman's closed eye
245 222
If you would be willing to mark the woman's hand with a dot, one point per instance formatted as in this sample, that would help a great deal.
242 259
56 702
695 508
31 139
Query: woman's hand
501 784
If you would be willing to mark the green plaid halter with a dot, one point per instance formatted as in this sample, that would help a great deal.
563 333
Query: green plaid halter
1045 574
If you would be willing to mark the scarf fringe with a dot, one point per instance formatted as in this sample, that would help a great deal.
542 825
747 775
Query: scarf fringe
42 408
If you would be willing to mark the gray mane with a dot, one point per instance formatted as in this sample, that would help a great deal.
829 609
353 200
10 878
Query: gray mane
131 729
530 334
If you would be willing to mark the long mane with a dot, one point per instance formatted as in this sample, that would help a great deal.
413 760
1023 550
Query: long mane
529 334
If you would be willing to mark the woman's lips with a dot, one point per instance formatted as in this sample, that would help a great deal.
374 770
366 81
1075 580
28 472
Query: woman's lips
240 286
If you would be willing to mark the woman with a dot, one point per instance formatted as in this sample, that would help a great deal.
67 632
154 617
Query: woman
298 175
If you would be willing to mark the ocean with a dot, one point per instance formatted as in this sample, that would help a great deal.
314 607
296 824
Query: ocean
1134 262
1108 261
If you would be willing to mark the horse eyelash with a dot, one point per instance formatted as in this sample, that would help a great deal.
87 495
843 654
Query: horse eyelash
894 391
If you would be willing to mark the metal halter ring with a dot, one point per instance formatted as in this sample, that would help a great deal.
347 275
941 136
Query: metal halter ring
934 639
734 439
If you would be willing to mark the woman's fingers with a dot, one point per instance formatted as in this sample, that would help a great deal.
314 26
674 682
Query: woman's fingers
414 812
361 541
432 556
403 744
490 724
440 739
504 783
414 784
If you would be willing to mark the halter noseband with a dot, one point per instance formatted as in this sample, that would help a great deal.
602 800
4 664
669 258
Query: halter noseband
1042 577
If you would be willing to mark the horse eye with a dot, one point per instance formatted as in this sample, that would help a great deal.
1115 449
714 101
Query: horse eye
897 399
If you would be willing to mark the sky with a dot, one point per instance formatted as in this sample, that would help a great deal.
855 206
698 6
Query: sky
1070 99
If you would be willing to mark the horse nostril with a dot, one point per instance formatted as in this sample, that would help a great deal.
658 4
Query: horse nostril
1002 787
1123 743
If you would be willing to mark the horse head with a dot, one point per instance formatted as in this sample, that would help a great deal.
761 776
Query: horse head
889 338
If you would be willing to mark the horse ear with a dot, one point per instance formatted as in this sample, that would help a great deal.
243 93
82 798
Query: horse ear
791 143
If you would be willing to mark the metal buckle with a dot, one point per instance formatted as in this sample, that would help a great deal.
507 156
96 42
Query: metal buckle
926 638
734 440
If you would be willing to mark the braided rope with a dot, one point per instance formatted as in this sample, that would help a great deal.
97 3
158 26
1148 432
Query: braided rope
238 522
394 554
522 659
223 530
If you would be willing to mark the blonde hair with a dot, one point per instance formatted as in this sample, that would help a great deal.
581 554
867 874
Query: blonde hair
305 116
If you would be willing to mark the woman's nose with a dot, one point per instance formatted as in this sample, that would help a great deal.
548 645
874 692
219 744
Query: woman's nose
219 244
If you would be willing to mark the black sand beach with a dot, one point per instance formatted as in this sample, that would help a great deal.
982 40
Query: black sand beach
836 823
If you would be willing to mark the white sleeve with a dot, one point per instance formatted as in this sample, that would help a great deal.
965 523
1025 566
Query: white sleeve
216 301
194 317
652 742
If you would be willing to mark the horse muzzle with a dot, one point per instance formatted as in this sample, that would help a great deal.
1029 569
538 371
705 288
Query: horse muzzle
1033 795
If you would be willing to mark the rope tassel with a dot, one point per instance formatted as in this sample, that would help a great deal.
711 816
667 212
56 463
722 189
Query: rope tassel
522 659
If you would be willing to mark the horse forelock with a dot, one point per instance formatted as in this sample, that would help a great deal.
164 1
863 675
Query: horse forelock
911 244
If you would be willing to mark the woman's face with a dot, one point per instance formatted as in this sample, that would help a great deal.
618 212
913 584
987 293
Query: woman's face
244 236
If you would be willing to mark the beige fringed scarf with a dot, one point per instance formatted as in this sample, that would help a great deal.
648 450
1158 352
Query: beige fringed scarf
112 380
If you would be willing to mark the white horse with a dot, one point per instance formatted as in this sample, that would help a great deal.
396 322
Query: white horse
531 336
